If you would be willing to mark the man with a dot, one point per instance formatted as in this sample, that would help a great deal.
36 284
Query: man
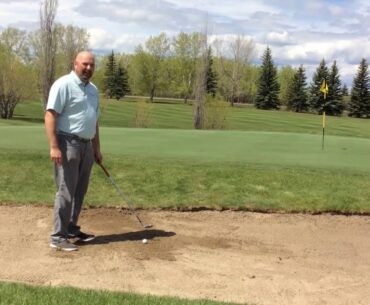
71 123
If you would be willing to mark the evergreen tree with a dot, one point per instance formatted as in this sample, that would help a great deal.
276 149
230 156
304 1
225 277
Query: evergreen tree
110 75
121 86
333 104
297 93
360 97
345 90
268 85
211 82
316 98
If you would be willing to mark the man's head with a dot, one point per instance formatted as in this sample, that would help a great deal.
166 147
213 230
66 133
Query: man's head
84 65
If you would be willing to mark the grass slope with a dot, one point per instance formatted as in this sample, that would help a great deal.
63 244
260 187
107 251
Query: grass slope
176 115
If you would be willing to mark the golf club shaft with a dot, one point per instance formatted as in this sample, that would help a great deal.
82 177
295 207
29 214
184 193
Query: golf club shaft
122 195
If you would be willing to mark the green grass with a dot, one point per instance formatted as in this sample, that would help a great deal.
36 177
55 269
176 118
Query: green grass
182 169
268 161
176 115
19 294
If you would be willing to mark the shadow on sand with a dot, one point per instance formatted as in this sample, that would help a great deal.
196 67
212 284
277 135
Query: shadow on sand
129 236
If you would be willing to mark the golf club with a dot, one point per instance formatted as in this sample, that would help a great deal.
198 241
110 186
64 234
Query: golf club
124 197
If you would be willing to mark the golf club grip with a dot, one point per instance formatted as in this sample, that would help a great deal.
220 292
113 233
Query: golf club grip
104 169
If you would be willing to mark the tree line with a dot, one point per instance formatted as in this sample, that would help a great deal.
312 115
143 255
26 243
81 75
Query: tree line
186 66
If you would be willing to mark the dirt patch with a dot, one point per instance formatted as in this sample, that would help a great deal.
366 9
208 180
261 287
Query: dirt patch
229 256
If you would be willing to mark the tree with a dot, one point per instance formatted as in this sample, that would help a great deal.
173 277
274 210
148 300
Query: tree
211 76
250 80
187 48
14 41
115 78
285 77
359 105
268 86
47 47
345 90
17 81
150 63
316 98
333 102
121 82
241 50
200 84
110 76
72 40
297 95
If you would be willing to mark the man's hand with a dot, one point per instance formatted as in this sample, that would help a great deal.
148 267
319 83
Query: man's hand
56 155
50 127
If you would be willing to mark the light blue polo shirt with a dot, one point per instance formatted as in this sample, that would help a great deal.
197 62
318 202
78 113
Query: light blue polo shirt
77 105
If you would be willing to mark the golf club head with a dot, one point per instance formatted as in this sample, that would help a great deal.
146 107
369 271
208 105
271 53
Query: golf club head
147 226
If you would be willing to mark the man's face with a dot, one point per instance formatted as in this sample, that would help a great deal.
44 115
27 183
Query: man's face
84 66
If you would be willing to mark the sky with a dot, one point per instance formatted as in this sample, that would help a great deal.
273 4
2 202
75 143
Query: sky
297 32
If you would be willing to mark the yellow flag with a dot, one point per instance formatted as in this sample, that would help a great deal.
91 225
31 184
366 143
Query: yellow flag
324 88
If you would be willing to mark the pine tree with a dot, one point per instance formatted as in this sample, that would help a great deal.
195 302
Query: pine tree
121 87
268 85
297 94
345 90
360 97
333 103
316 98
110 75
211 83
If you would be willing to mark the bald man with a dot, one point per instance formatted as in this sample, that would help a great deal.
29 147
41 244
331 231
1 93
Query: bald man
71 123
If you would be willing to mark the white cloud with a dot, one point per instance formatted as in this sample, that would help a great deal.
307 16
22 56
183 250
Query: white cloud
298 32
278 38
16 11
103 40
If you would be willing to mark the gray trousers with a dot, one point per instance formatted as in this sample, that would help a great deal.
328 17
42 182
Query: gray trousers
72 180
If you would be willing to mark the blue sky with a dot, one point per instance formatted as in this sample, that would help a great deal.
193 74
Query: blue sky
298 32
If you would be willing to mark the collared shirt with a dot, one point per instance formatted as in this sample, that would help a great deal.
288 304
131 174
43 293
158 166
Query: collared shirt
77 105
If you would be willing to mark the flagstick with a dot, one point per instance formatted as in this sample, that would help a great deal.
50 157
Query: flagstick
323 129
324 89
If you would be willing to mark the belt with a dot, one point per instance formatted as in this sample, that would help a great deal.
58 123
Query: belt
73 136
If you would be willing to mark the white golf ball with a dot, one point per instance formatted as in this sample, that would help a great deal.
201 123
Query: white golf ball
145 241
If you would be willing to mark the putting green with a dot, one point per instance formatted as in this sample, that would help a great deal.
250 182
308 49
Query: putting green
285 149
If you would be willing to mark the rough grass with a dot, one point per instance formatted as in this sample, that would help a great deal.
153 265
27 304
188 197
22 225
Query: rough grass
20 294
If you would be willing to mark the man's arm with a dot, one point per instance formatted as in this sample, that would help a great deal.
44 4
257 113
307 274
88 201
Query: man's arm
96 145
50 127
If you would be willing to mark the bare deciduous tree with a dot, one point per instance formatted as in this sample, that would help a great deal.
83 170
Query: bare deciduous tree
47 46
200 83
72 40
15 42
240 49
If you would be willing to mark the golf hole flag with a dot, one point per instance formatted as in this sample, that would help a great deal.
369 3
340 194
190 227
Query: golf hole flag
324 89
